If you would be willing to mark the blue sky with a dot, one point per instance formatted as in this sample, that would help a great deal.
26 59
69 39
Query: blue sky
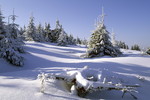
130 19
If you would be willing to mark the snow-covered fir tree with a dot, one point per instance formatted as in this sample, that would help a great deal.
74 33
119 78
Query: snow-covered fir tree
13 34
47 33
30 31
39 35
78 40
62 40
84 42
2 32
24 28
58 25
10 44
71 40
56 32
21 31
100 44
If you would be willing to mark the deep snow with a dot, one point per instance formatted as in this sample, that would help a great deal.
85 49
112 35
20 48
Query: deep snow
20 83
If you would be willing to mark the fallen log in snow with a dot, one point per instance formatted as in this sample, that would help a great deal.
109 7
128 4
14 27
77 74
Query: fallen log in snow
88 80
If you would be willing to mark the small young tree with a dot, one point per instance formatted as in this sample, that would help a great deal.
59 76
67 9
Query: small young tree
100 44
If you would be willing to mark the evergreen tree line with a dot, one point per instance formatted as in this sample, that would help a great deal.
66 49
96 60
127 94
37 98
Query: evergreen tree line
123 45
136 47
11 38
46 34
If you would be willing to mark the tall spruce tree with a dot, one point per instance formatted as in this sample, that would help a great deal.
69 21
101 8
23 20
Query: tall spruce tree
100 44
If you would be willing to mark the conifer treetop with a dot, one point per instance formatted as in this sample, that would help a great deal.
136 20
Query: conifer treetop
100 20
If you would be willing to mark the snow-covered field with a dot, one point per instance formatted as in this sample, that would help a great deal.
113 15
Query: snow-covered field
20 83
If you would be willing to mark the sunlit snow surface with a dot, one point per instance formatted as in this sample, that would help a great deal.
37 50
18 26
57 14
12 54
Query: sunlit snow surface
21 83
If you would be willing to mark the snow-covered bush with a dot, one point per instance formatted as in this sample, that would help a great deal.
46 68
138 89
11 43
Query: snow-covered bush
42 78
